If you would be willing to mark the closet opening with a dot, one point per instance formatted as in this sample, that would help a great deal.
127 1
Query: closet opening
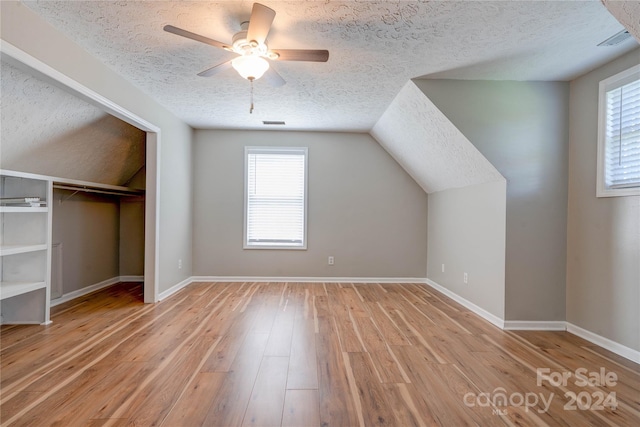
97 236
60 128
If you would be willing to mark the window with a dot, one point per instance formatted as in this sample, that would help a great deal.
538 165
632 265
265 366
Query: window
275 214
619 135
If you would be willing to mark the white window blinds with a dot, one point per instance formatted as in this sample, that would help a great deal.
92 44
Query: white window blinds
622 136
275 193
619 135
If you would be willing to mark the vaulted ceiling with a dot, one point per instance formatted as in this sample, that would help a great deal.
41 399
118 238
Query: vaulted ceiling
375 48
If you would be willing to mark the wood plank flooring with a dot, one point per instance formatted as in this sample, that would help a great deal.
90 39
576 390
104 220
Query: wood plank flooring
301 354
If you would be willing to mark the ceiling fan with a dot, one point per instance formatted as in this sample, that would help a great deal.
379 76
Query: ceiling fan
250 44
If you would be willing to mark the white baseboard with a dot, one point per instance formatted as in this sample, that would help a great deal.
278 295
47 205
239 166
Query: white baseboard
308 279
606 343
492 318
86 290
175 288
95 287
596 339
534 325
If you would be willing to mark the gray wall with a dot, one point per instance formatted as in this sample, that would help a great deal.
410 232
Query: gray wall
364 209
102 237
131 232
522 129
88 227
132 229
467 234
603 248
28 32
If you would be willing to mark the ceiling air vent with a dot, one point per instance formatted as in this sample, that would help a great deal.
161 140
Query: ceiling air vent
272 122
616 38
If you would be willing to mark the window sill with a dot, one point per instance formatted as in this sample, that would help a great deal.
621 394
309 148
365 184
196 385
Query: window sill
618 192
287 248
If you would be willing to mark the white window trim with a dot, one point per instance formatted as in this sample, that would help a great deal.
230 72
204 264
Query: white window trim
297 150
605 85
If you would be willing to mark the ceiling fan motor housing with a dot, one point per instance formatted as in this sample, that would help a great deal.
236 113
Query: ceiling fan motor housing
242 46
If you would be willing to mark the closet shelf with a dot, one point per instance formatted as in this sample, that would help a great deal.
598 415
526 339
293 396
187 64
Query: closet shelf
12 289
9 209
92 187
25 217
21 249
29 202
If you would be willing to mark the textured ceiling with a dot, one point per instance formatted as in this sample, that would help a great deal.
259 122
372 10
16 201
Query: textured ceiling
428 146
627 12
375 48
46 130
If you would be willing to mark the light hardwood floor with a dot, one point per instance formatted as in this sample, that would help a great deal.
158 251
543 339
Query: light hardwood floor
275 354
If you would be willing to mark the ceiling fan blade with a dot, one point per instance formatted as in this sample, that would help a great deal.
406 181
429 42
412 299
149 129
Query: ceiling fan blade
194 36
301 55
260 23
272 77
215 69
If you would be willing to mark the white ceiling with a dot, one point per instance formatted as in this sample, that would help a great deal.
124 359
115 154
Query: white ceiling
375 48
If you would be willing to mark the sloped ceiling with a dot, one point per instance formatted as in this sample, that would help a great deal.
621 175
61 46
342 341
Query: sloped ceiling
47 131
375 48
627 12
428 146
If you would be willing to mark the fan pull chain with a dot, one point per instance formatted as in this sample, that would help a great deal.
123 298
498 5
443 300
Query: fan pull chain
251 108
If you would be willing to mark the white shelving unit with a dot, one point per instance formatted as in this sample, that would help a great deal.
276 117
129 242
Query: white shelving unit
25 250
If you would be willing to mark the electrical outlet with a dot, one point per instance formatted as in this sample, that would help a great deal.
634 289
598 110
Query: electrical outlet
443 268
466 278
331 260
179 264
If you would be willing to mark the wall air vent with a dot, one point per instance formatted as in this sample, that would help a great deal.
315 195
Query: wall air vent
616 38
272 122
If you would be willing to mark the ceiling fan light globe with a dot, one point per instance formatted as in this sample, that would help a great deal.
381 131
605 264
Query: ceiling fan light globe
250 67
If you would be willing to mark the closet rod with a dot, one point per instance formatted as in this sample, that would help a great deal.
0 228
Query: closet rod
93 190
